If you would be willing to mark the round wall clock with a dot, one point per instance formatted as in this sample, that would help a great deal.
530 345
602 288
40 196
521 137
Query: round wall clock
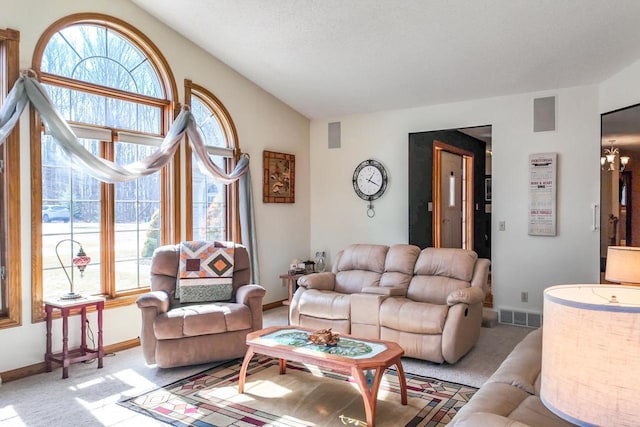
370 181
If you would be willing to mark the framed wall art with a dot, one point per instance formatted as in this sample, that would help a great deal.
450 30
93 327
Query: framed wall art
279 177
542 194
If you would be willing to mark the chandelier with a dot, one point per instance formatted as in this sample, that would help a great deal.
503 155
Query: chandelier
608 159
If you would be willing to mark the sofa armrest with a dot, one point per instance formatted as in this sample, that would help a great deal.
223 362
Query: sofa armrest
251 295
246 292
480 277
154 299
151 305
365 310
390 291
471 295
322 281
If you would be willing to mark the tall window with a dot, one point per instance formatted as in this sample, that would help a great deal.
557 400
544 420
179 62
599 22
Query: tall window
10 289
112 87
211 206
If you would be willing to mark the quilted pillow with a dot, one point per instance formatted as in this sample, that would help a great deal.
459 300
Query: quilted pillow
205 272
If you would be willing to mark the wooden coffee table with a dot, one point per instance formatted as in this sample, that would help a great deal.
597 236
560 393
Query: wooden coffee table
352 356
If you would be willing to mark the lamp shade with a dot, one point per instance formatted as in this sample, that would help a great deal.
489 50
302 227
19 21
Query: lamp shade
590 354
623 264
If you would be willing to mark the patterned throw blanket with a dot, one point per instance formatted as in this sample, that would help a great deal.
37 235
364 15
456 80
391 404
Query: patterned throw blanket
205 273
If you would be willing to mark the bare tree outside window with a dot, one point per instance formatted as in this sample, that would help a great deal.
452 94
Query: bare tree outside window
212 208
110 92
209 196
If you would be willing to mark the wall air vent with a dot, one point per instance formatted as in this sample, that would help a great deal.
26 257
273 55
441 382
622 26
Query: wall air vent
544 114
520 318
335 135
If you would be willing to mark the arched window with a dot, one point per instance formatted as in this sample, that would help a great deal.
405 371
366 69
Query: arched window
115 90
10 289
211 206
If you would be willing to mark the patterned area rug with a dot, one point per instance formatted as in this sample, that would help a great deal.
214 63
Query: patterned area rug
304 396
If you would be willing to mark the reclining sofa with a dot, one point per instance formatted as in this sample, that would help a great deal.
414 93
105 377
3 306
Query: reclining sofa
511 396
176 333
429 301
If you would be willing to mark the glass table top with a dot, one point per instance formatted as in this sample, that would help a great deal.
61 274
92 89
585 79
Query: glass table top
346 347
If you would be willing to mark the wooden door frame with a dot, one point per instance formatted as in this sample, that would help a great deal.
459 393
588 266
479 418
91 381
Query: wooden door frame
438 147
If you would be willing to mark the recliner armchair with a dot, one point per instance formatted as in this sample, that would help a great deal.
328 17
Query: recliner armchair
180 334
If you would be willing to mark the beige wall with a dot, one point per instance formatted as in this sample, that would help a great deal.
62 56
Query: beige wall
520 263
262 121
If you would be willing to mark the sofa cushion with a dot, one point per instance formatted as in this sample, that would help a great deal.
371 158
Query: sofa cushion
438 272
353 281
325 304
401 258
359 266
522 366
202 319
399 265
363 257
448 262
494 398
402 314
533 412
433 289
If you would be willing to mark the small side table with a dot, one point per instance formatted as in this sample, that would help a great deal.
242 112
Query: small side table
291 279
68 357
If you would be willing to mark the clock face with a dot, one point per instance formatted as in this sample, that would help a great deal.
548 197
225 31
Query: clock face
370 180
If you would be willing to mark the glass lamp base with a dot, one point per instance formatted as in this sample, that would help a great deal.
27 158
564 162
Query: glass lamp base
71 295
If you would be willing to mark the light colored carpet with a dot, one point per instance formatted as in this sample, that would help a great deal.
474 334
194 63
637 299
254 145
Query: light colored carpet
89 396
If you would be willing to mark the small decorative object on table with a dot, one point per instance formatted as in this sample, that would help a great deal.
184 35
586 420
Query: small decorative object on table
309 267
324 337
320 261
81 260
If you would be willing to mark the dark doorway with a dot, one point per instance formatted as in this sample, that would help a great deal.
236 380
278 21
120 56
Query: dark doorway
421 184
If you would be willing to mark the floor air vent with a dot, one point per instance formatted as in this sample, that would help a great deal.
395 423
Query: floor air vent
520 318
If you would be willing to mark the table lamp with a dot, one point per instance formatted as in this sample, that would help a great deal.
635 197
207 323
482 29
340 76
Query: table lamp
81 260
623 265
590 354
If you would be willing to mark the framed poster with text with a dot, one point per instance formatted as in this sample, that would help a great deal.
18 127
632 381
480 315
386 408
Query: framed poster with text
542 194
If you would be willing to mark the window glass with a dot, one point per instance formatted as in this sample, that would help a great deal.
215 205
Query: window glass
71 209
82 107
99 79
209 196
137 221
78 51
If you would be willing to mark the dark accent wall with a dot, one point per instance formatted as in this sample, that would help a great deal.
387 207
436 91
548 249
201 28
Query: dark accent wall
421 191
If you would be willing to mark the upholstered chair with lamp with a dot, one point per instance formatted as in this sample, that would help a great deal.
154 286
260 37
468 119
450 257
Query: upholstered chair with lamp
179 333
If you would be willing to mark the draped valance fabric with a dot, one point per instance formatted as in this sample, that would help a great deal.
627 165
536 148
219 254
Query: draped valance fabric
28 89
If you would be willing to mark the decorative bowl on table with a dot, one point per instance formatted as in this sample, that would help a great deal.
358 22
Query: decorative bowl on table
324 337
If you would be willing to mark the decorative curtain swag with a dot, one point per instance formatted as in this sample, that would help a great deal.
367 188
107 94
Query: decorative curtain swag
28 89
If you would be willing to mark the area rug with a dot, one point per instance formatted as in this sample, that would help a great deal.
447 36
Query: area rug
304 396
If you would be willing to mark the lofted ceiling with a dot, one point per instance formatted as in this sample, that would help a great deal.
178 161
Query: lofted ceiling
328 58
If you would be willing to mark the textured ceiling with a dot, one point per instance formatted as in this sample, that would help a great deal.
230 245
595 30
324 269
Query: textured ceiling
330 58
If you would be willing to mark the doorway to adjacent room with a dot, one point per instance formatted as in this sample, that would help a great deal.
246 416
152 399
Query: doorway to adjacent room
619 180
